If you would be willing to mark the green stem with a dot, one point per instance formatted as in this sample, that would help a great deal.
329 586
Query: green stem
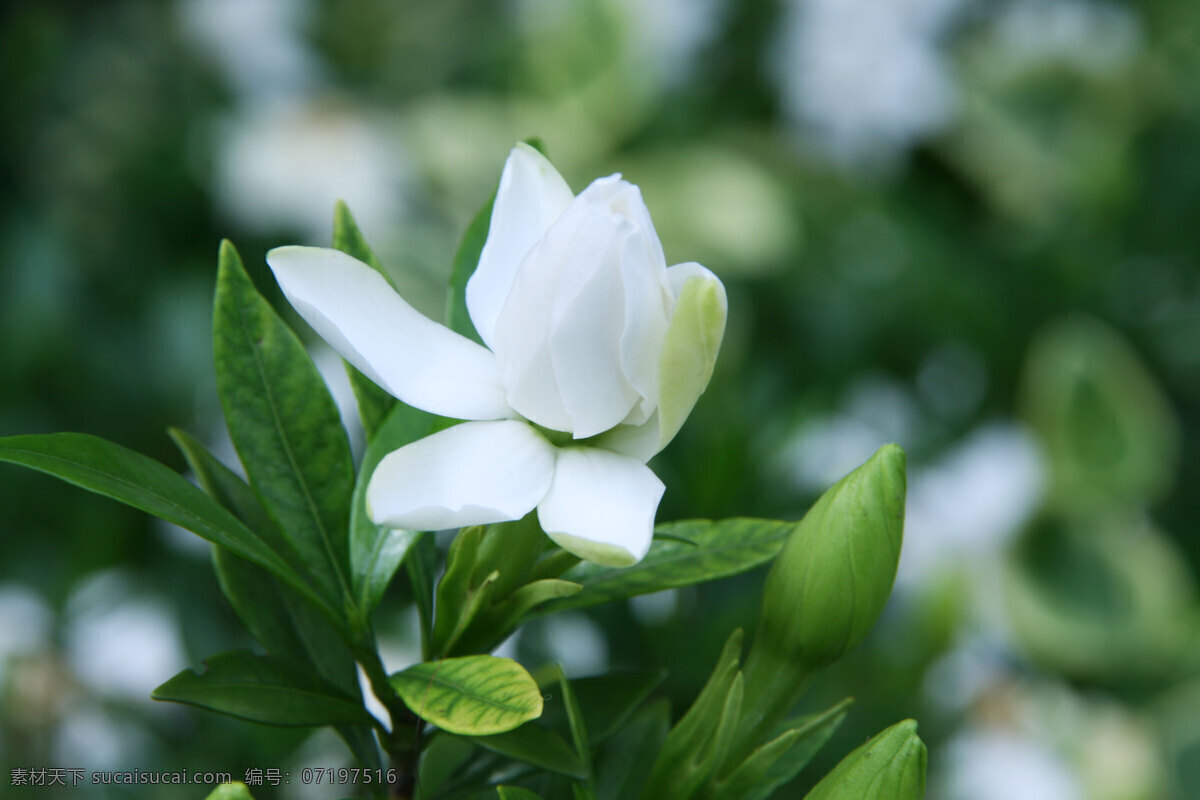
403 743
773 686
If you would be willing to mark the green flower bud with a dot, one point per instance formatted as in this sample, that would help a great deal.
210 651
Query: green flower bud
230 791
834 574
890 766
824 591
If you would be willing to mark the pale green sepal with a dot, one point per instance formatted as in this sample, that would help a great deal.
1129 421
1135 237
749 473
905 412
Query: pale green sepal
689 352
890 766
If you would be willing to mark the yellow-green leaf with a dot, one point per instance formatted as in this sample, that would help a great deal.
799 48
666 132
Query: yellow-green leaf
472 695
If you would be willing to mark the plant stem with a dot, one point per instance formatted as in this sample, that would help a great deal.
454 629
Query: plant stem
403 743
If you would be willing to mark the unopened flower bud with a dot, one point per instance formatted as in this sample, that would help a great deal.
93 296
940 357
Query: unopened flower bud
832 578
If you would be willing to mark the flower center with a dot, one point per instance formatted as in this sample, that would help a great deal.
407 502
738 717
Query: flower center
556 438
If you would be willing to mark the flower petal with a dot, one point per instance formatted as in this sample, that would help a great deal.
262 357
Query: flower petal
531 196
471 474
425 364
557 336
601 506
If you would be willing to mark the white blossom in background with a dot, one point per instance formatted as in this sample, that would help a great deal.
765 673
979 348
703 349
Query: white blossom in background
594 354
257 44
666 36
964 509
94 739
1093 37
121 644
577 643
1003 765
25 623
825 449
866 79
283 166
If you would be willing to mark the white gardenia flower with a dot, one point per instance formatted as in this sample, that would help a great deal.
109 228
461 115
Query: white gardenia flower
595 353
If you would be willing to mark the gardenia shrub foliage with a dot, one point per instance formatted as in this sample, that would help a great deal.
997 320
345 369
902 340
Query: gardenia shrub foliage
571 353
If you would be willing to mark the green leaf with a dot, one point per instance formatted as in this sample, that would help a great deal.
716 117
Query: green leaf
495 621
264 689
376 552
536 745
268 609
472 695
515 793
284 425
455 590
781 759
579 735
607 702
626 760
136 480
374 404
224 486
348 238
458 319
891 766
448 762
716 550
282 620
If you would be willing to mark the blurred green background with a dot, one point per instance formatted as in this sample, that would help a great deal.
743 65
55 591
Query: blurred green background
965 226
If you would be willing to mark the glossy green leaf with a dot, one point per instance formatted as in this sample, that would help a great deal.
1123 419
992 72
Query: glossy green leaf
473 695
136 480
538 746
719 549
284 425
266 689
891 766
781 759
627 758
374 404
515 793
376 552
458 319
